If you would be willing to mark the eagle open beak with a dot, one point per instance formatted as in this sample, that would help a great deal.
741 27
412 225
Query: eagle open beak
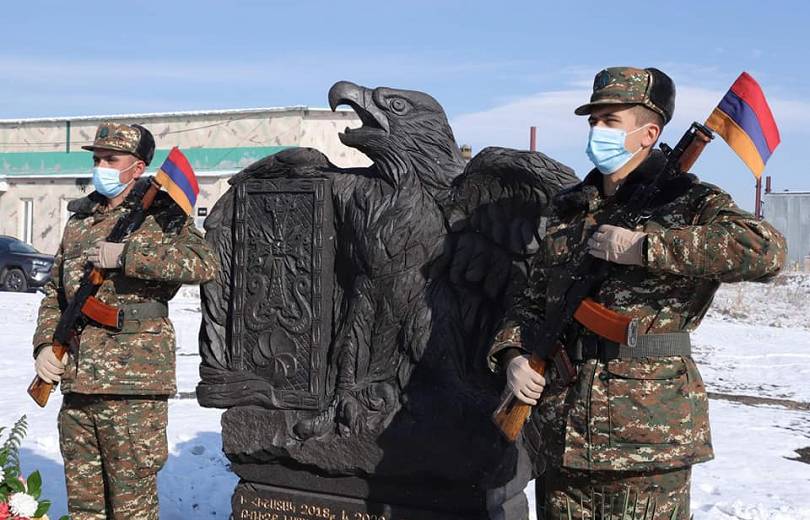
361 100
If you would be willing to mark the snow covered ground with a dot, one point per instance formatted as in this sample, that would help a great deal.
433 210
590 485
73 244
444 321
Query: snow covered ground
753 350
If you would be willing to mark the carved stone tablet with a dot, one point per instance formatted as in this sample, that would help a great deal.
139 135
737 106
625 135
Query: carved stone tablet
281 290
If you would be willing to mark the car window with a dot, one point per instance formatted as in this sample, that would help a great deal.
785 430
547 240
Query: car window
21 247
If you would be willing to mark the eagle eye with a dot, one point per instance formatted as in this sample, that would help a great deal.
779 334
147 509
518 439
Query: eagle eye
398 105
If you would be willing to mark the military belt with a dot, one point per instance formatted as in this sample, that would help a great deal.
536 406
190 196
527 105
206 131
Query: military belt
72 399
144 311
647 346
658 345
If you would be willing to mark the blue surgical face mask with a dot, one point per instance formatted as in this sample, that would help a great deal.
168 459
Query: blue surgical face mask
107 181
606 148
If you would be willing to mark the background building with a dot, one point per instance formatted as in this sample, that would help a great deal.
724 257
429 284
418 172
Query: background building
42 165
789 212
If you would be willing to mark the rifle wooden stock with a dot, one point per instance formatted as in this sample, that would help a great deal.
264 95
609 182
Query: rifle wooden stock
512 413
39 390
702 137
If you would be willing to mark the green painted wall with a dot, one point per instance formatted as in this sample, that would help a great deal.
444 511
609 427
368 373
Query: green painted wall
21 164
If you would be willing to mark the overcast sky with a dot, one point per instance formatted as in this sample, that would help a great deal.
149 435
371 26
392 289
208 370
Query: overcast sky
497 67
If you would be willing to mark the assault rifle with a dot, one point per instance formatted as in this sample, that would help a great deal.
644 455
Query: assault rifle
512 413
85 306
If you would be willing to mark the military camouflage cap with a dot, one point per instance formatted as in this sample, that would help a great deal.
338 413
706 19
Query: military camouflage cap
627 85
132 139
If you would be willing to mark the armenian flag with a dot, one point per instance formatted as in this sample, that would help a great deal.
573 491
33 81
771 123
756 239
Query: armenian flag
745 121
177 177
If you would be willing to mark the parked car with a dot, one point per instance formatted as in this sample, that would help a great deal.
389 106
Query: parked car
22 267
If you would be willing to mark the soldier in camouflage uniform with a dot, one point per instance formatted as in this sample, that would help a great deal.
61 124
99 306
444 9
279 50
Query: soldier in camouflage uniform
619 438
112 425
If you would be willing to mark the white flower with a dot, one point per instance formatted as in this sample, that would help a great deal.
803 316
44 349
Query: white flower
2 474
22 504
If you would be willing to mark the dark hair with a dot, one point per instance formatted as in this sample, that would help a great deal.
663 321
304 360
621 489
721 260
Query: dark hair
645 116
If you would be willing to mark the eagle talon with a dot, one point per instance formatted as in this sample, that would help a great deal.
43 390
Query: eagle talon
317 426
379 396
348 414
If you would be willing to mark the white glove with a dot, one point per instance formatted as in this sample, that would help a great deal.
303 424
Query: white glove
619 245
523 381
105 255
48 367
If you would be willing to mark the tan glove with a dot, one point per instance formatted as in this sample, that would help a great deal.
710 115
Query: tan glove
106 255
48 367
618 245
523 381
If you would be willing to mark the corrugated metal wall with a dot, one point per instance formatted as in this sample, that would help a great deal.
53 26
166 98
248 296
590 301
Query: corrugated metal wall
790 214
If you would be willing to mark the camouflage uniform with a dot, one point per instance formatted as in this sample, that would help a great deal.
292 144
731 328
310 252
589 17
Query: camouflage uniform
112 424
623 435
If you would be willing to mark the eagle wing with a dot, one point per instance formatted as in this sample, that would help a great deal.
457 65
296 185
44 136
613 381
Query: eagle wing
495 216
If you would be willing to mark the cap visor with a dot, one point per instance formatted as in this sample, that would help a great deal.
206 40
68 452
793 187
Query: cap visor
583 110
91 147
588 107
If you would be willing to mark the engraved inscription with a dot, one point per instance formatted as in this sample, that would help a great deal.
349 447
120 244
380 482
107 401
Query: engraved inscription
250 506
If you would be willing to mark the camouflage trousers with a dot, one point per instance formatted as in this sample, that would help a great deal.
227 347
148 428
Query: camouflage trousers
566 494
113 447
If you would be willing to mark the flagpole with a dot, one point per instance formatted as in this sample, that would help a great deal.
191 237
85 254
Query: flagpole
758 203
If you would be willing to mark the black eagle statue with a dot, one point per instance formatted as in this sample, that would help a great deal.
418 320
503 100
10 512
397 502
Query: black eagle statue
425 252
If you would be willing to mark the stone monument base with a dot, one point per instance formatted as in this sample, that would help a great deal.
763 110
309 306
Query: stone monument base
280 493
253 501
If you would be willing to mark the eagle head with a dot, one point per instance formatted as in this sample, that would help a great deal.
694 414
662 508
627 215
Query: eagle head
404 132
